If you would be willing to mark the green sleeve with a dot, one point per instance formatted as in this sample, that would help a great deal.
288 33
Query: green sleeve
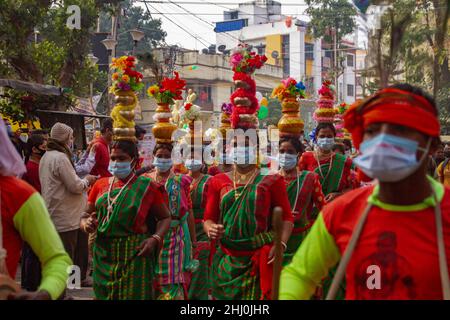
316 255
34 225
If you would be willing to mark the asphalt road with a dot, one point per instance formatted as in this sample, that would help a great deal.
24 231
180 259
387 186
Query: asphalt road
76 294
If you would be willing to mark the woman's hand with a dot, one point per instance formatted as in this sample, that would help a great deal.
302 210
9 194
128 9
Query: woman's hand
147 247
332 196
271 256
214 231
89 225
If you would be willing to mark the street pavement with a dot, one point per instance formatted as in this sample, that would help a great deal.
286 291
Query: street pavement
75 294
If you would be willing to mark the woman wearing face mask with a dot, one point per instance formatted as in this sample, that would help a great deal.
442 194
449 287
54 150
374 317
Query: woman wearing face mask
175 260
304 192
200 283
131 218
333 168
225 163
394 233
238 215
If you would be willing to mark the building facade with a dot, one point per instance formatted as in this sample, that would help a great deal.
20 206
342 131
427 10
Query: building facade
210 76
282 39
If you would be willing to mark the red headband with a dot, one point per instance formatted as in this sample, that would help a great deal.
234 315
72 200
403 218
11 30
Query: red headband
392 106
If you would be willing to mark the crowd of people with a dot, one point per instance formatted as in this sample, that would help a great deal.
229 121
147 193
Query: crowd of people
200 232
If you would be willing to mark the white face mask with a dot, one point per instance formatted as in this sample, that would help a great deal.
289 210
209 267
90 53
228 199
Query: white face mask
244 156
389 158
325 144
23 138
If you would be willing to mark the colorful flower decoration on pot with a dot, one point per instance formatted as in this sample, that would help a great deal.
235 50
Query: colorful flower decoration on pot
165 94
245 103
288 93
190 113
125 82
325 111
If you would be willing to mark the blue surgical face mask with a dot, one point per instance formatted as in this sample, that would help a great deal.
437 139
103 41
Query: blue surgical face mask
325 143
120 170
193 164
390 158
244 156
163 164
287 161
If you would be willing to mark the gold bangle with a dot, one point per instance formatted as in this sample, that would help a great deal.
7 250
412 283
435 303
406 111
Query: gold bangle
157 237
284 245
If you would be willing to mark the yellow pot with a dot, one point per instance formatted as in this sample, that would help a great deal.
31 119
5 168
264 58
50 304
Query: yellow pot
291 124
163 130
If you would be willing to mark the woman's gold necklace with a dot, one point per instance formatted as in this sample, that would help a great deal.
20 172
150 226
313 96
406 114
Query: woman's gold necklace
319 166
237 193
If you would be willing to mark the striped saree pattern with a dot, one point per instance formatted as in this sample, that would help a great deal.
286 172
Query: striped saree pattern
118 273
175 260
303 219
200 282
233 274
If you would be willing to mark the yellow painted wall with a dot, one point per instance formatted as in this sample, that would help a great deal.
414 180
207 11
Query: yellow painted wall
309 68
273 43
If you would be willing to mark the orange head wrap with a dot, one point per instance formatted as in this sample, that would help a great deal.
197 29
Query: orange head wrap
394 106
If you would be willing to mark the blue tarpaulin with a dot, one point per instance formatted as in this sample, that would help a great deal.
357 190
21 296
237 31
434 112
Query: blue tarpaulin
230 25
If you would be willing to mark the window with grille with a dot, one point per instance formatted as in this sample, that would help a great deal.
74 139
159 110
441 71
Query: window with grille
309 51
350 90
350 60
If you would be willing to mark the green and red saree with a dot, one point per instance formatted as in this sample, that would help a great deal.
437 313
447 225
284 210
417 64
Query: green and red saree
309 202
118 272
334 179
239 269
200 282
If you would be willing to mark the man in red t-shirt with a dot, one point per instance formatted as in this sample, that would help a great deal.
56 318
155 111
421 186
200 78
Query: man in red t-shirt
392 239
101 149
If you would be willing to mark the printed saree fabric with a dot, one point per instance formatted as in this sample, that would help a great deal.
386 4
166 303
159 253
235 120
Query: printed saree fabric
306 194
200 282
239 269
175 260
333 178
118 272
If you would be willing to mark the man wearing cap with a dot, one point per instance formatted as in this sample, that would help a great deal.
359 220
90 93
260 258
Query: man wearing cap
62 190
388 238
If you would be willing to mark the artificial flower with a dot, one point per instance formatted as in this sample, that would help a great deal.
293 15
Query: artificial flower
115 76
125 78
153 90
236 59
300 86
